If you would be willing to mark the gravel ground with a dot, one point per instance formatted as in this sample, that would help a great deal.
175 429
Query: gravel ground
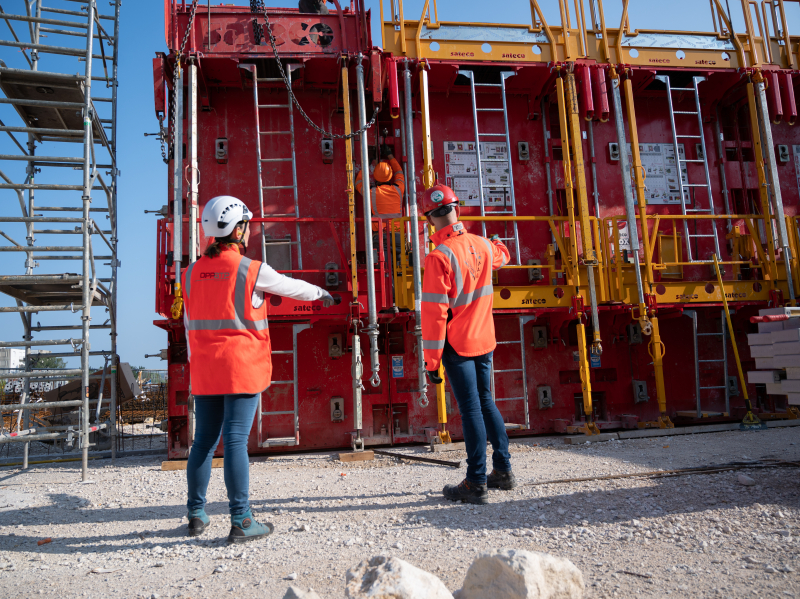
122 534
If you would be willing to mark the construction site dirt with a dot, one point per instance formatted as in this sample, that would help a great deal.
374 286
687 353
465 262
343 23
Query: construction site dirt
123 533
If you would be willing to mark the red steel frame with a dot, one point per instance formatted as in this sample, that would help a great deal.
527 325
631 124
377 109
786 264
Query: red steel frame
227 111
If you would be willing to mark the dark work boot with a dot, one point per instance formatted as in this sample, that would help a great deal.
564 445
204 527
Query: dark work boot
245 528
501 480
198 521
467 491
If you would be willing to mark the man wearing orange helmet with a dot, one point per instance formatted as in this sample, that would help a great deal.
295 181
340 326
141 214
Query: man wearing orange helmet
387 197
458 331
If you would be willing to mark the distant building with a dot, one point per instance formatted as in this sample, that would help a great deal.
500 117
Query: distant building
11 358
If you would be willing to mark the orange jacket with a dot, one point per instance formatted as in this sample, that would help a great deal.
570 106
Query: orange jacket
228 338
457 294
387 198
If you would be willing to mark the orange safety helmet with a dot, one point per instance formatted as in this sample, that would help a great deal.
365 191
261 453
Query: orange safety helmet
436 197
383 172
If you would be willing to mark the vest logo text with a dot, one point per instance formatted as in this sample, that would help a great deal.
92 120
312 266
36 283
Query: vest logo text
220 276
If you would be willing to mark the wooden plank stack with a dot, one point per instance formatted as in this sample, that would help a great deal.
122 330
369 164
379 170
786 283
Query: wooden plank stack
776 349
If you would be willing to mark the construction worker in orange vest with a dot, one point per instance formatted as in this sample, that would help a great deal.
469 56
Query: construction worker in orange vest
387 198
230 355
458 330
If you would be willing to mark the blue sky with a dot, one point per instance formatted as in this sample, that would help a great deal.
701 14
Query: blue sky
143 184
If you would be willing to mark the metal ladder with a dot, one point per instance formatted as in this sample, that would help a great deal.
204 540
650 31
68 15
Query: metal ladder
523 370
285 441
723 334
478 135
292 159
679 162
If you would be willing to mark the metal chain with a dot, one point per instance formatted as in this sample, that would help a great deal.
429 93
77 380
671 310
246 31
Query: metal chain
257 6
163 136
176 82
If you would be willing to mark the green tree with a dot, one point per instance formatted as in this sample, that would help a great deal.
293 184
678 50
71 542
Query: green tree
44 361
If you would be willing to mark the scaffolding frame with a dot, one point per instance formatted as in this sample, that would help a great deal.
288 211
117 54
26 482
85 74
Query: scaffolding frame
80 131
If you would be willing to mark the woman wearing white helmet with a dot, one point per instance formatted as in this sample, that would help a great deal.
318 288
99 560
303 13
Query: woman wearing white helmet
229 349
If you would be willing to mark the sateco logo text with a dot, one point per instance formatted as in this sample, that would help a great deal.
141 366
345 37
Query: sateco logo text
463 54
220 276
513 56
528 302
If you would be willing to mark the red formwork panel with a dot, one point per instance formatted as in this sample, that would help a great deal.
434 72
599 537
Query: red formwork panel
392 411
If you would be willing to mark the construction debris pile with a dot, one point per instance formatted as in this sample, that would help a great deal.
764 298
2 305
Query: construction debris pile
776 349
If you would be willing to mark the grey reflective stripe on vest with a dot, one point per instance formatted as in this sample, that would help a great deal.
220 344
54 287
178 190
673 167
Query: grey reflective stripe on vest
456 270
241 322
432 344
490 245
377 214
188 280
471 296
435 298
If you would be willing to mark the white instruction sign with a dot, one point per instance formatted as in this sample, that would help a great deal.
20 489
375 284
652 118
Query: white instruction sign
661 173
461 172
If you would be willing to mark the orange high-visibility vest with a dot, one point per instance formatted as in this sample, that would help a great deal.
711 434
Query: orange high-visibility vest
458 286
228 338
387 198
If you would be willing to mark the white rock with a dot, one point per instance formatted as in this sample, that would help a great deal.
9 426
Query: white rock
296 593
392 578
511 574
746 480
292 576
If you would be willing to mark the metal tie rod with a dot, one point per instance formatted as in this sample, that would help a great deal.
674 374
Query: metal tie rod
39 343
285 413
415 458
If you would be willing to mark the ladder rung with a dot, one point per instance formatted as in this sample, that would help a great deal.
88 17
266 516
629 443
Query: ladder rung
508 343
509 370
275 133
695 184
508 238
282 243
269 79
283 382
494 160
682 89
683 112
292 215
508 398
718 387
274 105
496 212
492 134
697 160
489 109
690 136
278 413
278 187
698 334
703 235
711 361
698 210
283 352
276 159
280 442
488 85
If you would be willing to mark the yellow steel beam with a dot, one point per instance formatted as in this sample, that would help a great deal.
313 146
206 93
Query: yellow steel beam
586 383
351 191
536 10
656 350
427 147
589 255
568 181
758 152
751 37
428 182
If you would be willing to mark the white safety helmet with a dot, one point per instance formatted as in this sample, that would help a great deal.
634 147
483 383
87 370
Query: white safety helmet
222 214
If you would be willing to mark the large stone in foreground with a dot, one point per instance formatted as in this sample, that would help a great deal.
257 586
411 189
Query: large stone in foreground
298 593
511 574
391 578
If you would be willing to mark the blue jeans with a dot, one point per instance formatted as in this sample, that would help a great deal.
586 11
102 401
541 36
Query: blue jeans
471 382
232 416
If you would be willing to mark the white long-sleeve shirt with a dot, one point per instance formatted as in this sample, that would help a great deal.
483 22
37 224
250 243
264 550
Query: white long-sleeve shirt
272 282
